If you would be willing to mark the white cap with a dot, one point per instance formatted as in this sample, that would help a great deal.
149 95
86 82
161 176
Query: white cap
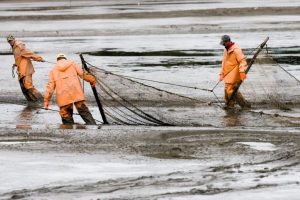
60 55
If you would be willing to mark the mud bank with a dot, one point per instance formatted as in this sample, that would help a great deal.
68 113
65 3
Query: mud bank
141 140
149 163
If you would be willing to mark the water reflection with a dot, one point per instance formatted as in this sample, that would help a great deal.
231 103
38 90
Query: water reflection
72 126
27 115
79 126
23 126
233 118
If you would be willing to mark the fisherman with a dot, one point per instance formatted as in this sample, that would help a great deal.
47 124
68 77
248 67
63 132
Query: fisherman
25 70
64 78
233 70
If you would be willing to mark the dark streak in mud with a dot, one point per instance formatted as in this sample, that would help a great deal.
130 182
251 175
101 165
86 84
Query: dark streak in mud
280 55
115 6
178 53
170 63
210 191
166 14
25 140
48 8
181 64
286 55
5 53
291 60
285 50
279 168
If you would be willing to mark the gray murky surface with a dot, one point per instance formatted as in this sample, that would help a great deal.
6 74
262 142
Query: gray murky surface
225 156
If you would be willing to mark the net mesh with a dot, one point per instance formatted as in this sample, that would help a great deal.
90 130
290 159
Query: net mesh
129 101
270 85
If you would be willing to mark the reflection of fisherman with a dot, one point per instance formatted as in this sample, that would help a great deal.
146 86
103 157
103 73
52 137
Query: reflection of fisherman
233 69
64 78
23 58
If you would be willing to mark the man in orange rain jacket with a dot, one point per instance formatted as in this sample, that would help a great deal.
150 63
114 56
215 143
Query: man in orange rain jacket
233 69
23 58
64 78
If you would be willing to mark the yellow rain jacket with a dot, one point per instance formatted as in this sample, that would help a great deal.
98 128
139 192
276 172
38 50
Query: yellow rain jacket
234 62
23 58
64 78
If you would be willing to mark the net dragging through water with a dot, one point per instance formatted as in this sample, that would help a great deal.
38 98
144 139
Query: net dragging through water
270 85
130 101
127 101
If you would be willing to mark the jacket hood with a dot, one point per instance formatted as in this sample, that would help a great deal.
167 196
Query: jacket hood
63 65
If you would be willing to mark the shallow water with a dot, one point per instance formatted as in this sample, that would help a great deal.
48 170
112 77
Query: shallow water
219 155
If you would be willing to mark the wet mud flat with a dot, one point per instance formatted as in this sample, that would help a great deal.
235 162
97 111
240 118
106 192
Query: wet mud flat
116 162
251 154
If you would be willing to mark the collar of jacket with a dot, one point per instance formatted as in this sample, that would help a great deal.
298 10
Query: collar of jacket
17 43
231 47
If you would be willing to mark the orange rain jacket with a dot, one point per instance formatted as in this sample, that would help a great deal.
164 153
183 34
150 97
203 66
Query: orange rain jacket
22 59
64 78
234 62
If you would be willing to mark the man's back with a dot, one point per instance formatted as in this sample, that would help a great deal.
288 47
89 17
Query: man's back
64 76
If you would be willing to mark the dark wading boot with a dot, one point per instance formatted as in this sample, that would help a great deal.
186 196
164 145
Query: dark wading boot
229 105
35 95
86 115
24 90
67 121
242 101
32 95
36 98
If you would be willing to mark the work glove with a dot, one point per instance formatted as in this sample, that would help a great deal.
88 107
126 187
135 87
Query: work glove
40 59
243 75
46 105
93 84
221 77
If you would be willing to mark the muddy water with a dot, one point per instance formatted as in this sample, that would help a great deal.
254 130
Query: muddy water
222 155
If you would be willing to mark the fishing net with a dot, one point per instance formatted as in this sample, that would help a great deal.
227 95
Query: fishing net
132 101
270 85
127 101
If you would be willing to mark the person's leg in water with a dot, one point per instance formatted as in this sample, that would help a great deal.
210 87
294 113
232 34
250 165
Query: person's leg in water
66 113
24 90
229 88
242 101
85 113
29 91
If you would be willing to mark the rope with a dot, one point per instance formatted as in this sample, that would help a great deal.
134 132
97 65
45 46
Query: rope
288 73
49 62
171 93
103 89
142 115
166 83
219 103
291 75
38 107
179 85
184 86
